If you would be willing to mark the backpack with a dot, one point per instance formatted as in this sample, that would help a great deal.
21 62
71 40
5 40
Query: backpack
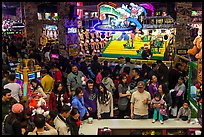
7 129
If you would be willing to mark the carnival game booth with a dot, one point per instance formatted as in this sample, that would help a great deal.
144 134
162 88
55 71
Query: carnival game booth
124 31
25 72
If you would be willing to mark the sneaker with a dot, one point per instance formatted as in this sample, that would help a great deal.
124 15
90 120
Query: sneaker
126 117
115 108
161 121
153 120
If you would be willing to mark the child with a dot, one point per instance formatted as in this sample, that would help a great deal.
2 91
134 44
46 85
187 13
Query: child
157 102
184 112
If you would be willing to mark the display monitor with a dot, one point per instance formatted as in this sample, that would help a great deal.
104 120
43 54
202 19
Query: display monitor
18 75
31 76
38 74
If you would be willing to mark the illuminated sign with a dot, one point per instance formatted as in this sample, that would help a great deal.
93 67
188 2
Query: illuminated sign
17 75
71 30
31 76
123 18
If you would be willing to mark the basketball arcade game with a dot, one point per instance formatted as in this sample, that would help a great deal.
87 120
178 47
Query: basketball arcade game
25 72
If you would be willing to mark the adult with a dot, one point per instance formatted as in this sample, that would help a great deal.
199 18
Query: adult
128 63
108 82
124 97
74 80
95 65
74 121
136 78
12 121
126 71
60 120
57 73
78 102
153 87
47 83
106 67
90 98
7 102
16 91
163 72
178 94
153 71
140 100
40 127
104 103
174 74
164 92
58 98
146 53
38 89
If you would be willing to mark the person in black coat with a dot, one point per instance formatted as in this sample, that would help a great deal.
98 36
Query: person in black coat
74 121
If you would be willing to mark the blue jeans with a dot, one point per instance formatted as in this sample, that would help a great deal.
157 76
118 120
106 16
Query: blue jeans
140 116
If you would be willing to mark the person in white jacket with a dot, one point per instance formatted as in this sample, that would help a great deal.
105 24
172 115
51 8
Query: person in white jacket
104 103
60 121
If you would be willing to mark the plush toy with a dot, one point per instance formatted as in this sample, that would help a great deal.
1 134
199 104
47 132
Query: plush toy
197 48
84 79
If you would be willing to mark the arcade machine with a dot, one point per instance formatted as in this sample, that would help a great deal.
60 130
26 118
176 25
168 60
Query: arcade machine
25 72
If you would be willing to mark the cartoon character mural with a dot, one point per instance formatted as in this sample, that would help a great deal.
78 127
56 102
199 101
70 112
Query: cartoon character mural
132 13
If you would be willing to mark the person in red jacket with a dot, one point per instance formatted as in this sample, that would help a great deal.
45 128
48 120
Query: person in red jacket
57 73
126 72
58 97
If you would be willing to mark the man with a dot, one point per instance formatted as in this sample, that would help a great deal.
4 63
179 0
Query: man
16 91
163 72
60 121
135 79
7 102
146 53
40 124
139 102
127 64
74 80
153 71
47 83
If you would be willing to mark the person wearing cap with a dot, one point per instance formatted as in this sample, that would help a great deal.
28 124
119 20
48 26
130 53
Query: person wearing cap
146 53
60 121
140 100
12 121
7 102
47 83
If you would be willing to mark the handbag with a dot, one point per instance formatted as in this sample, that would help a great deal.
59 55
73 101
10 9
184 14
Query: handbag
163 111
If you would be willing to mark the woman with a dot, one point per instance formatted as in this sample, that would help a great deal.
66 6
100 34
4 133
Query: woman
164 92
38 89
104 103
90 98
58 97
78 102
11 125
124 97
153 87
74 121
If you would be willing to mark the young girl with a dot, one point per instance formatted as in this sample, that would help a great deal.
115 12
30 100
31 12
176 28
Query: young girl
104 103
157 102
38 89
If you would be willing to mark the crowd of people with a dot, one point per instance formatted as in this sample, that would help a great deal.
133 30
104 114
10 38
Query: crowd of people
72 90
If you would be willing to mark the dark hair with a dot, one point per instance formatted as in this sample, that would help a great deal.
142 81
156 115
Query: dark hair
105 63
88 82
74 111
186 101
121 78
65 109
39 121
12 77
5 91
165 88
177 65
126 70
78 90
43 71
102 97
154 65
55 89
73 65
127 59
95 58
38 83
157 94
159 61
181 77
136 70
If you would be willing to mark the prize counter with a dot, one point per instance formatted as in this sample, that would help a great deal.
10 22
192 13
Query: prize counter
145 126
